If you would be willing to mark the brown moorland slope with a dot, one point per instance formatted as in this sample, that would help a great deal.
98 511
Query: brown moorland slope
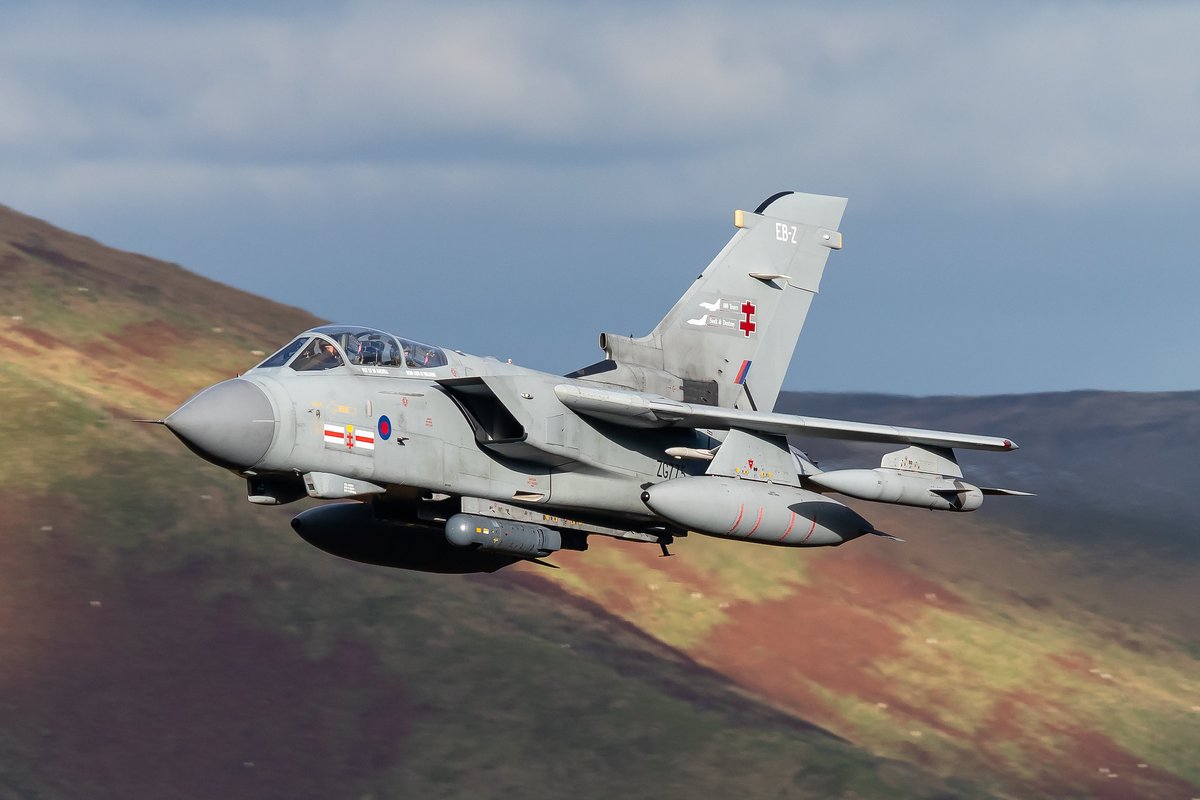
1043 645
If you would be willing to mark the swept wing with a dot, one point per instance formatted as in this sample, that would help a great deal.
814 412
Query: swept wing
637 409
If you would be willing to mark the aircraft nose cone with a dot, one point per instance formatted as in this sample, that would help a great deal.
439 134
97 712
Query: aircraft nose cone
230 424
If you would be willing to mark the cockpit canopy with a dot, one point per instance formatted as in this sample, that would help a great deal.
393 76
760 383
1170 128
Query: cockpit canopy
336 345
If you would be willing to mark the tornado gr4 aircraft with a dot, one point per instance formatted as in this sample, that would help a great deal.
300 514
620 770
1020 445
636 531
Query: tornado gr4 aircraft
457 463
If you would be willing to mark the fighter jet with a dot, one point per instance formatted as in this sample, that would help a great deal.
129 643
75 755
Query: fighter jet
456 463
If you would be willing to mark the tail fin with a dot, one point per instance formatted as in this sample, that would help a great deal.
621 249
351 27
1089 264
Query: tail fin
730 338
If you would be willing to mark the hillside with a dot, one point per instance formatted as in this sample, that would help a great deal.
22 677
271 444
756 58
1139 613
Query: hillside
164 638
1112 469
1042 645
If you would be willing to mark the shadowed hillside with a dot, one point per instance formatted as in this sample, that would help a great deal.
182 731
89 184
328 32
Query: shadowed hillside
1113 470
163 638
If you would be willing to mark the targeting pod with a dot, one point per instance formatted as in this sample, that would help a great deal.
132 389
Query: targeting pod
502 536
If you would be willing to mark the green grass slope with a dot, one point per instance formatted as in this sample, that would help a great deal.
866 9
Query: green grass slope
160 637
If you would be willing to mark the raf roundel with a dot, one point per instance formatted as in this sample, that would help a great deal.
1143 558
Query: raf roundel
385 427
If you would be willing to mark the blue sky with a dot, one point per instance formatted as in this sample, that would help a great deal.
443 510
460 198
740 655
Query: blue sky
512 179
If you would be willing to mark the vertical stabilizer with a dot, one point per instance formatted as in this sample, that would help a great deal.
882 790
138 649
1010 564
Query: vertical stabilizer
730 338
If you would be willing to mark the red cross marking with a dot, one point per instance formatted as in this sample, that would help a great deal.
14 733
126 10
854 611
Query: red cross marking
748 325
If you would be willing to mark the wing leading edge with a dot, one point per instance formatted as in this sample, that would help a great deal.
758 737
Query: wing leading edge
640 410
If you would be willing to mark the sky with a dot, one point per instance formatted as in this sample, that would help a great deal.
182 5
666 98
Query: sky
511 179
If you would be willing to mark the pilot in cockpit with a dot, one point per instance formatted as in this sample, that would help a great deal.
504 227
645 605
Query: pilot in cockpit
425 356
327 357
422 357
319 355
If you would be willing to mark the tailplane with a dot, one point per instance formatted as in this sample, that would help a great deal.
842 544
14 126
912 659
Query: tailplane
729 340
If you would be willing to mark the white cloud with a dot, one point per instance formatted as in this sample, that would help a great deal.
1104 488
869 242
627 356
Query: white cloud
1058 104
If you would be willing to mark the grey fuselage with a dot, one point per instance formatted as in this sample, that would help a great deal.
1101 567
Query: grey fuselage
474 426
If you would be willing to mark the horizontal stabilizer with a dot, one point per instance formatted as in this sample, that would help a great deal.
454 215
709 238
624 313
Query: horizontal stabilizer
1006 492
641 410
883 535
